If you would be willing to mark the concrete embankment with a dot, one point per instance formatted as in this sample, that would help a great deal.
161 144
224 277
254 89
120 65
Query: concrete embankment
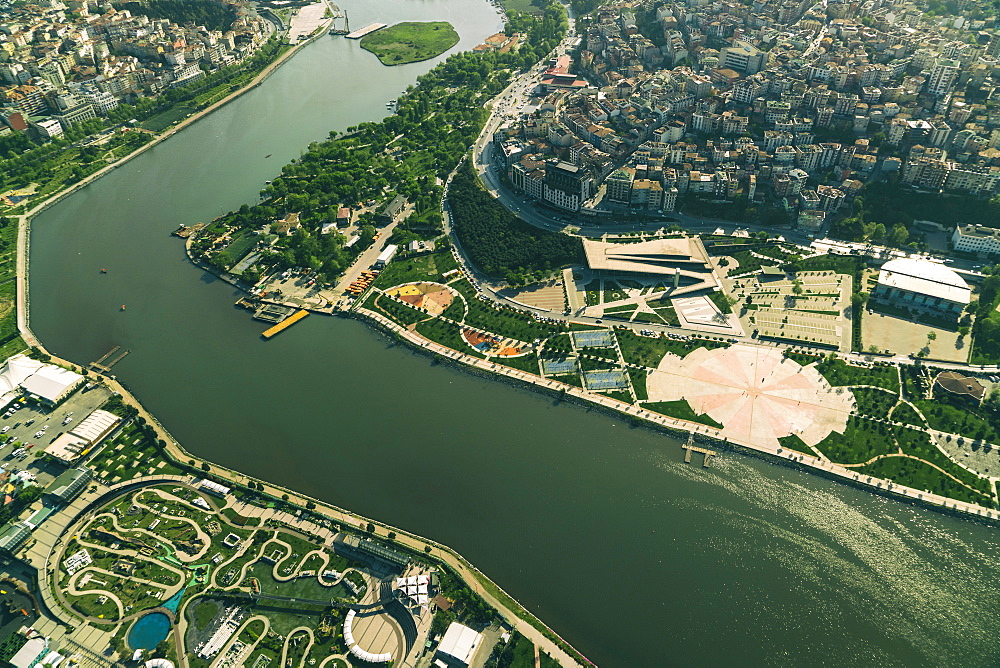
700 433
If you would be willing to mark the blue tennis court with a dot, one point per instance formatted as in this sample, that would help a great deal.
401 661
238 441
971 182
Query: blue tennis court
605 380
557 367
598 338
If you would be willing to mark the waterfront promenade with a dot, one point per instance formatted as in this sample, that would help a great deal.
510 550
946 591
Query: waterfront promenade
766 448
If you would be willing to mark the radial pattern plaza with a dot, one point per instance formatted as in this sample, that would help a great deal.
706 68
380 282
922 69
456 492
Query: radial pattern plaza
756 393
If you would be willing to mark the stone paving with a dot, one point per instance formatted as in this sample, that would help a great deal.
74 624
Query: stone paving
756 393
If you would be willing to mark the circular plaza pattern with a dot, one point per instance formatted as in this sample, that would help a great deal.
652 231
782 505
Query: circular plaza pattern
434 297
757 394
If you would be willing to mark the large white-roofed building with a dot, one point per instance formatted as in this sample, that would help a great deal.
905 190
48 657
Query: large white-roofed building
51 384
922 287
459 644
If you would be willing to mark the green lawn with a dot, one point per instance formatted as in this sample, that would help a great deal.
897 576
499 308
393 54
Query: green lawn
793 442
424 268
917 474
905 414
874 402
638 378
861 440
647 351
839 372
954 420
410 42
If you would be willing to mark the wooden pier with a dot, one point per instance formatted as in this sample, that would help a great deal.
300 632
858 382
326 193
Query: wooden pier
285 324
111 358
690 448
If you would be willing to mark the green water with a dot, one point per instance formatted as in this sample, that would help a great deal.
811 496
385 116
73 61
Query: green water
631 555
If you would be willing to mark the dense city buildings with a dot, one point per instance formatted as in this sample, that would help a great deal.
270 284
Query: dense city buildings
64 64
792 106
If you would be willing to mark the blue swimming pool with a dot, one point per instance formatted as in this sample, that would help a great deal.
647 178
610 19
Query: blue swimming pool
149 631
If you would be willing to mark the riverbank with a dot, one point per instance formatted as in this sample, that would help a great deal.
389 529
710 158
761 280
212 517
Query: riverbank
23 301
677 427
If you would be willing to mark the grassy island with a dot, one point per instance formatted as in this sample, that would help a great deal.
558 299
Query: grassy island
410 42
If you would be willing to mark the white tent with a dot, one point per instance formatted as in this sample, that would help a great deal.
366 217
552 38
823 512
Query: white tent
51 384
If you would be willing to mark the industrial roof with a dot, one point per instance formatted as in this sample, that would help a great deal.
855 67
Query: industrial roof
927 278
95 426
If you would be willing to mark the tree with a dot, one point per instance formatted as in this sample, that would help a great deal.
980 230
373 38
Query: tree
899 235
205 466
370 528
931 336
859 299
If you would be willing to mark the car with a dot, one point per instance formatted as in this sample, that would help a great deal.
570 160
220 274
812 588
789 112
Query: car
5 429
39 433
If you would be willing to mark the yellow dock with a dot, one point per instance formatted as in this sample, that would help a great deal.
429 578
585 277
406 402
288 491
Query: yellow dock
286 323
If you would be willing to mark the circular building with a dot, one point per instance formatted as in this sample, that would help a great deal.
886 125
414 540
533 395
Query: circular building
921 286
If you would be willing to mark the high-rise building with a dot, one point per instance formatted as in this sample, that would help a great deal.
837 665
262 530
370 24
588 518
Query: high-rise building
943 76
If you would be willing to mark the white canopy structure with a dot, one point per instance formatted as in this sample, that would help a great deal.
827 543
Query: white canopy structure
15 371
51 384
158 663
355 649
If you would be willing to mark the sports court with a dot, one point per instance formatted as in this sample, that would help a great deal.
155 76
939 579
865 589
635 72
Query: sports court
613 379
557 367
598 338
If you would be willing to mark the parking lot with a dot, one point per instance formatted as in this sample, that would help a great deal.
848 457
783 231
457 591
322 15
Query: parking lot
30 428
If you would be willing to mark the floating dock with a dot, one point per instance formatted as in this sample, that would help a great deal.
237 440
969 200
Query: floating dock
273 313
285 324
358 34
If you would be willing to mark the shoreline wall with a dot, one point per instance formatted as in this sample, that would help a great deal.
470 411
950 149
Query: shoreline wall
680 428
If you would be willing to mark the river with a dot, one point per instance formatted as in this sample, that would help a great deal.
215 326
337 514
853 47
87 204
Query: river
600 529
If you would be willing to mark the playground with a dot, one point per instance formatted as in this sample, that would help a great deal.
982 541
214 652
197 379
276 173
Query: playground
490 344
432 297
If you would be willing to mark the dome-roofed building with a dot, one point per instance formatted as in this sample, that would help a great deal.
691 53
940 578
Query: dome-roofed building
922 287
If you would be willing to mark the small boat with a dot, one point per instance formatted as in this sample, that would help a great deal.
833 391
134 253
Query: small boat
267 183
123 307
104 271
268 156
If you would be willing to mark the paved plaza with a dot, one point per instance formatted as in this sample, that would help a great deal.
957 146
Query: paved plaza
755 393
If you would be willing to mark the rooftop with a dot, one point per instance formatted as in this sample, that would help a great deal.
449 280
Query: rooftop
927 278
